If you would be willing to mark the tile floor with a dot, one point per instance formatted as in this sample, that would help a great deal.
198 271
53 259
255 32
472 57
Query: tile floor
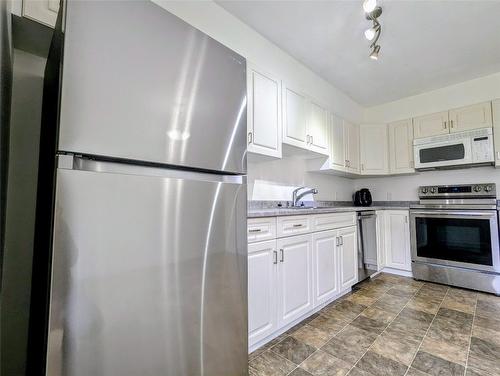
391 325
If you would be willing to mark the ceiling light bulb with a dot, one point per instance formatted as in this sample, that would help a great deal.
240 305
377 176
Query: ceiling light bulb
374 54
370 33
369 5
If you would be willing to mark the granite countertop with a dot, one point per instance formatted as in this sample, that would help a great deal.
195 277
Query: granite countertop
259 209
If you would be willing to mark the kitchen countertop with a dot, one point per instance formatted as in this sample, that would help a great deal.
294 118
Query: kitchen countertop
258 212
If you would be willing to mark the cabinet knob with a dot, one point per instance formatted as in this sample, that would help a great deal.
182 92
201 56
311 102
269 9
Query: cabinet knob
250 137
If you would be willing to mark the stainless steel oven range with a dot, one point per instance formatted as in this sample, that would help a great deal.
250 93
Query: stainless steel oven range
454 236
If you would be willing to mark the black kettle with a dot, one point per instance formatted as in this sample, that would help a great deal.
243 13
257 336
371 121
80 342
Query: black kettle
363 197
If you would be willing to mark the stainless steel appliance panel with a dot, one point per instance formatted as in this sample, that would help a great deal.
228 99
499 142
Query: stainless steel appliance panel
460 238
367 244
149 273
140 83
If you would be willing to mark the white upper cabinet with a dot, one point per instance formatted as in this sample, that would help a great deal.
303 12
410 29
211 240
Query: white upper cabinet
397 240
471 117
496 129
294 277
374 149
317 128
430 125
337 143
325 261
44 12
305 122
262 278
457 120
401 147
264 113
294 118
352 156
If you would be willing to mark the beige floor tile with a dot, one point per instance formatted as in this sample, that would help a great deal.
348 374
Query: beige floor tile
312 336
446 350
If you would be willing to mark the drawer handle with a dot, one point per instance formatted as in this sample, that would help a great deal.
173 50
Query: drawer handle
255 230
298 225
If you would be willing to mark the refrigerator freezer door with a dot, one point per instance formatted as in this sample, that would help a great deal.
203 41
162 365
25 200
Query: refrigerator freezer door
149 274
139 83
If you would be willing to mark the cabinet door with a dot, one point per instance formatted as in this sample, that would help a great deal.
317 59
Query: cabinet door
338 141
44 12
352 131
294 277
374 149
317 128
262 272
348 252
496 130
401 147
471 117
264 113
325 266
397 240
431 125
294 118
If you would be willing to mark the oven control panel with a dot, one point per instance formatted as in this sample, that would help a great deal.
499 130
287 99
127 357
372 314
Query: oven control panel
464 190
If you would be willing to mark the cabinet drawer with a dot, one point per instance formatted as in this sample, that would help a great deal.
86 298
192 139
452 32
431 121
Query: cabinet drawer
261 229
295 225
323 222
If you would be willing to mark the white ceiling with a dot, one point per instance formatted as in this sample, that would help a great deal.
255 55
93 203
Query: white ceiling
425 44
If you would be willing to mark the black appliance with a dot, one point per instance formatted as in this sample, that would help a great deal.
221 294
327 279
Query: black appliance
363 197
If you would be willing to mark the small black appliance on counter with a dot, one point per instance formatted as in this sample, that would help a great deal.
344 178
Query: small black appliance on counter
363 197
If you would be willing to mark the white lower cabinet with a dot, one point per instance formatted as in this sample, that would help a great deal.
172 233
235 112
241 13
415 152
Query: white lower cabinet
262 282
325 265
348 255
290 276
397 240
294 277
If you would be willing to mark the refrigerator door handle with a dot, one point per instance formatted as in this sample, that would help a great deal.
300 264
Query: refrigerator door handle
82 163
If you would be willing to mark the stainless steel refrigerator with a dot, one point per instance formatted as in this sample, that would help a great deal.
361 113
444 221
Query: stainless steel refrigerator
148 263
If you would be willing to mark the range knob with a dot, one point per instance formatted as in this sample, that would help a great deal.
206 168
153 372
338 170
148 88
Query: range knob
424 190
433 190
488 188
478 188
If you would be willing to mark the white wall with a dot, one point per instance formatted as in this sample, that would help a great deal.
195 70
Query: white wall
463 94
275 180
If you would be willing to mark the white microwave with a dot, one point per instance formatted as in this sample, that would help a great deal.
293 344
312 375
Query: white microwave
456 149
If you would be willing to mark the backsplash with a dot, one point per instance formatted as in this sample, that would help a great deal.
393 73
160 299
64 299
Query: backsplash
269 204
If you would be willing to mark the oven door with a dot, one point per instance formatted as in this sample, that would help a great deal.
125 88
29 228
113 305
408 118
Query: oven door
444 153
463 238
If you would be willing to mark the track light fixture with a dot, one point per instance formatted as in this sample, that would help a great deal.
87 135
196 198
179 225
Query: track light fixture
373 12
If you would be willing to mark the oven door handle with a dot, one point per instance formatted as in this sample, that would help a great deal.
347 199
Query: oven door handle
454 213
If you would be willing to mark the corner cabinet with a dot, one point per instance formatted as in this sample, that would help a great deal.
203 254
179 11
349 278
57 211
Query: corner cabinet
263 113
401 159
397 239
337 136
374 149
317 128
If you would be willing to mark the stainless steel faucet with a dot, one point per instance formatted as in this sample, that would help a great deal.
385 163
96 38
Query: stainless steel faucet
296 196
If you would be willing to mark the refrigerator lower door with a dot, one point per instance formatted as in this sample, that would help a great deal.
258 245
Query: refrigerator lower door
149 273
139 83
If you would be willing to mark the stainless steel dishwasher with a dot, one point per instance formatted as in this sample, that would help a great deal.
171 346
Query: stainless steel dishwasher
367 244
